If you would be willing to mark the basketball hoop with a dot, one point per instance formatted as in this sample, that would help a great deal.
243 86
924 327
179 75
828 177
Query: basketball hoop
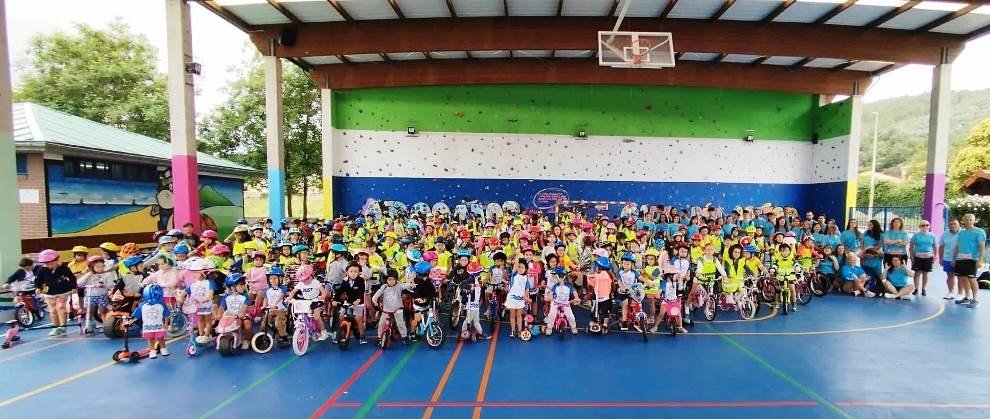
635 49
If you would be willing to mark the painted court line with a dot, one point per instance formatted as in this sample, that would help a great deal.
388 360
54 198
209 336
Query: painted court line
377 394
483 386
443 379
43 348
347 384
783 375
603 404
915 405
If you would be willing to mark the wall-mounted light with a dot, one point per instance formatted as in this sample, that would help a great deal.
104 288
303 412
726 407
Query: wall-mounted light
194 68
750 136
411 131
582 134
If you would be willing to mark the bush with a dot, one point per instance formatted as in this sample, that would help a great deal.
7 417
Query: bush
890 194
978 205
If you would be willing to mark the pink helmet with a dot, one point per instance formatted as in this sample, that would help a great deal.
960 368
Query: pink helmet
94 259
430 256
210 234
220 249
47 255
304 272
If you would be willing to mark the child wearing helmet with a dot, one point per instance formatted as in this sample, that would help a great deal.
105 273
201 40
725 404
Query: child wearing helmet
754 265
153 312
285 254
181 251
307 288
353 291
110 255
97 281
236 303
735 269
652 275
709 267
473 292
424 292
518 296
198 295
627 278
601 284
273 299
256 276
388 299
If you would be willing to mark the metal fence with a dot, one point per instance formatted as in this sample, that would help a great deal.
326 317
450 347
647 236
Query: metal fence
911 216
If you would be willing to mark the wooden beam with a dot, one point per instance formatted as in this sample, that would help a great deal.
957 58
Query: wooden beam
835 11
776 12
615 6
505 8
340 9
450 8
891 14
949 17
801 63
978 33
564 71
560 7
721 10
570 33
301 64
885 69
396 9
666 10
226 15
285 12
343 59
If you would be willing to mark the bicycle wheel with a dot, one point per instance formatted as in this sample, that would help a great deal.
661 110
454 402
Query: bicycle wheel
24 317
434 336
455 315
804 293
711 308
178 325
344 335
385 339
768 293
300 341
747 308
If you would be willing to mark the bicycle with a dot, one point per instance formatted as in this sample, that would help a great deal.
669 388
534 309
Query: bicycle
783 291
802 287
494 310
178 322
304 326
430 328
457 310
637 318
560 322
345 325
264 340
386 333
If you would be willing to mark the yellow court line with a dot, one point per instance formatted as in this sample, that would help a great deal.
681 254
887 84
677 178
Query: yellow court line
36 350
68 379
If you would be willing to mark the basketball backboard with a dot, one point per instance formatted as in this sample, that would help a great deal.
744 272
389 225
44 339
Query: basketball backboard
625 49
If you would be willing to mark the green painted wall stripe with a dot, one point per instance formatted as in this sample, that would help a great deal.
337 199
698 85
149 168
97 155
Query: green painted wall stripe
377 394
653 111
834 120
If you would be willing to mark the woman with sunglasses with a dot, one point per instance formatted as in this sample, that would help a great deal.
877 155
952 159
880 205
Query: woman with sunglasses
923 249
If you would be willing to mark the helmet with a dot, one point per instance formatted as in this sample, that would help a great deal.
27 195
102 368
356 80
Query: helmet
603 262
166 239
175 233
153 294
559 245
405 241
610 226
94 259
241 228
587 226
129 249
750 229
276 271
746 241
304 272
181 248
233 279
696 237
209 234
559 271
338 226
463 253
359 222
534 230
464 234
474 268
285 221
414 255
200 265
412 225
258 254
256 227
789 234
338 248
285 243
652 252
492 241
750 249
295 230
629 256
630 221
220 249
133 261
299 248
110 247
241 221
430 256
80 249
391 234
517 222
422 268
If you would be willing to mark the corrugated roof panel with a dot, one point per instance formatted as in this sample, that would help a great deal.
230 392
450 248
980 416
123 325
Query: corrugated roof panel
914 19
695 9
532 53
327 59
312 10
643 8
859 15
532 7
448 55
478 8
782 60
740 58
825 62
424 8
567 53
699 56
368 9
868 65
805 12
586 7
978 18
750 10
363 58
258 14
490 54
406 56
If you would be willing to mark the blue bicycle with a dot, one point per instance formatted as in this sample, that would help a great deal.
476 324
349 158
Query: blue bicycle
430 328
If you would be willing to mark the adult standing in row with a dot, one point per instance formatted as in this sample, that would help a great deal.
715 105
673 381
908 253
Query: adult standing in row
923 250
947 255
971 248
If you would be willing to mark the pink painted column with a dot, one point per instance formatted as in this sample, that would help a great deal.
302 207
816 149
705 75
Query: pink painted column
182 114
934 206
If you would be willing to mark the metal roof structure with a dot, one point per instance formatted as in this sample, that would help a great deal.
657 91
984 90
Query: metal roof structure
44 129
816 46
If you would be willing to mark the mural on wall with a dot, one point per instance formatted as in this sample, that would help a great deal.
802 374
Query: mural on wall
80 206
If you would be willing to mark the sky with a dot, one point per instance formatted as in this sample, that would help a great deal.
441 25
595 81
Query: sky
219 46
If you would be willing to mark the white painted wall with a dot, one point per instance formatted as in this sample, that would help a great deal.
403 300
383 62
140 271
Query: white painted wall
830 158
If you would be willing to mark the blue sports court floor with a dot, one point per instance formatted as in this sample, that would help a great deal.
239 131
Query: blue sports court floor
837 357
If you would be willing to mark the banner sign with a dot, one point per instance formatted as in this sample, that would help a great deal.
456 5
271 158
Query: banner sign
549 197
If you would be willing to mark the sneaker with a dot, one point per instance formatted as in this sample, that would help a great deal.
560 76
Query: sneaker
915 292
574 332
889 296
869 294
682 330
512 334
949 296
152 354
794 308
856 293
53 332
904 297
322 336
924 292
624 327
963 301
973 304
485 337
362 341
245 346
164 351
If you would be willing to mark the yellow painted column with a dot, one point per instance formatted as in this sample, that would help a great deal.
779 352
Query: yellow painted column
326 148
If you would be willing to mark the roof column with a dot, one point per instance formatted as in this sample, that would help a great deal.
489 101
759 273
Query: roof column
10 241
273 133
326 146
181 115
934 207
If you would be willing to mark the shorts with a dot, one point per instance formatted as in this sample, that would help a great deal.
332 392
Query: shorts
947 266
922 264
154 335
357 311
966 267
887 257
99 301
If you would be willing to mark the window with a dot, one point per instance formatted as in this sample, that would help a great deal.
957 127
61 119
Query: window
76 167
22 164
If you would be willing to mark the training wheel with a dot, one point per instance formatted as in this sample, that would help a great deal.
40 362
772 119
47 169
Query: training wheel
525 335
191 350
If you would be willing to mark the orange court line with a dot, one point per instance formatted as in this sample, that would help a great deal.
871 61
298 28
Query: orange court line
443 379
595 404
483 387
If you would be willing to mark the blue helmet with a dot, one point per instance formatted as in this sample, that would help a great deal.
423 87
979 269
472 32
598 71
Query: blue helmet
133 261
751 249
629 256
603 262
359 222
338 248
412 225
463 253
276 270
422 268
299 248
415 255
559 271
181 249
153 294
233 279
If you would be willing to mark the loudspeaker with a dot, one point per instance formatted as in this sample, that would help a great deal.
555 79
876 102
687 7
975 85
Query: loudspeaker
814 138
287 36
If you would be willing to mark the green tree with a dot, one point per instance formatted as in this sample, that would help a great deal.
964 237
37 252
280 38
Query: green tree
104 74
973 156
236 129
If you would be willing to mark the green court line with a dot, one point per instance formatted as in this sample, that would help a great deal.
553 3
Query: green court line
782 375
377 395
261 380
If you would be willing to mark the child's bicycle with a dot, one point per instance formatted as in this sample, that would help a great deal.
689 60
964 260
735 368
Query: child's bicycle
458 311
345 325
430 328
560 323
304 326
802 286
178 322
767 287
635 315
388 331
744 303
28 307
228 331
597 325
783 291
12 335
707 298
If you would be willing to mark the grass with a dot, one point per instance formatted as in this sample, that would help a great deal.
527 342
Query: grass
255 207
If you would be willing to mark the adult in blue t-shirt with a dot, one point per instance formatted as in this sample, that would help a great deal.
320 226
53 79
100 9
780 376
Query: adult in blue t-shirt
922 250
852 238
897 281
947 257
971 246
854 278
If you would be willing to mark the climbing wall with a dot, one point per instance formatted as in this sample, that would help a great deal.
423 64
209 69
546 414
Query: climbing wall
647 144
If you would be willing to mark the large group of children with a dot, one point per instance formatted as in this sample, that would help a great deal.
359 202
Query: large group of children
388 263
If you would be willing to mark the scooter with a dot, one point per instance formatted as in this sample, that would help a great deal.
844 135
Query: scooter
126 355
12 335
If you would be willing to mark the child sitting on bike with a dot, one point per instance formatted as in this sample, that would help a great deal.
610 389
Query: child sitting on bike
709 268
308 288
352 290
236 304
785 264
152 312
424 292
473 295
273 299
735 269
562 295
627 277
97 281
388 299
256 276
199 295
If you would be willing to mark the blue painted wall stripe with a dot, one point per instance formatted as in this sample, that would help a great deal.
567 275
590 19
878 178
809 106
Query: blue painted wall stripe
276 194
